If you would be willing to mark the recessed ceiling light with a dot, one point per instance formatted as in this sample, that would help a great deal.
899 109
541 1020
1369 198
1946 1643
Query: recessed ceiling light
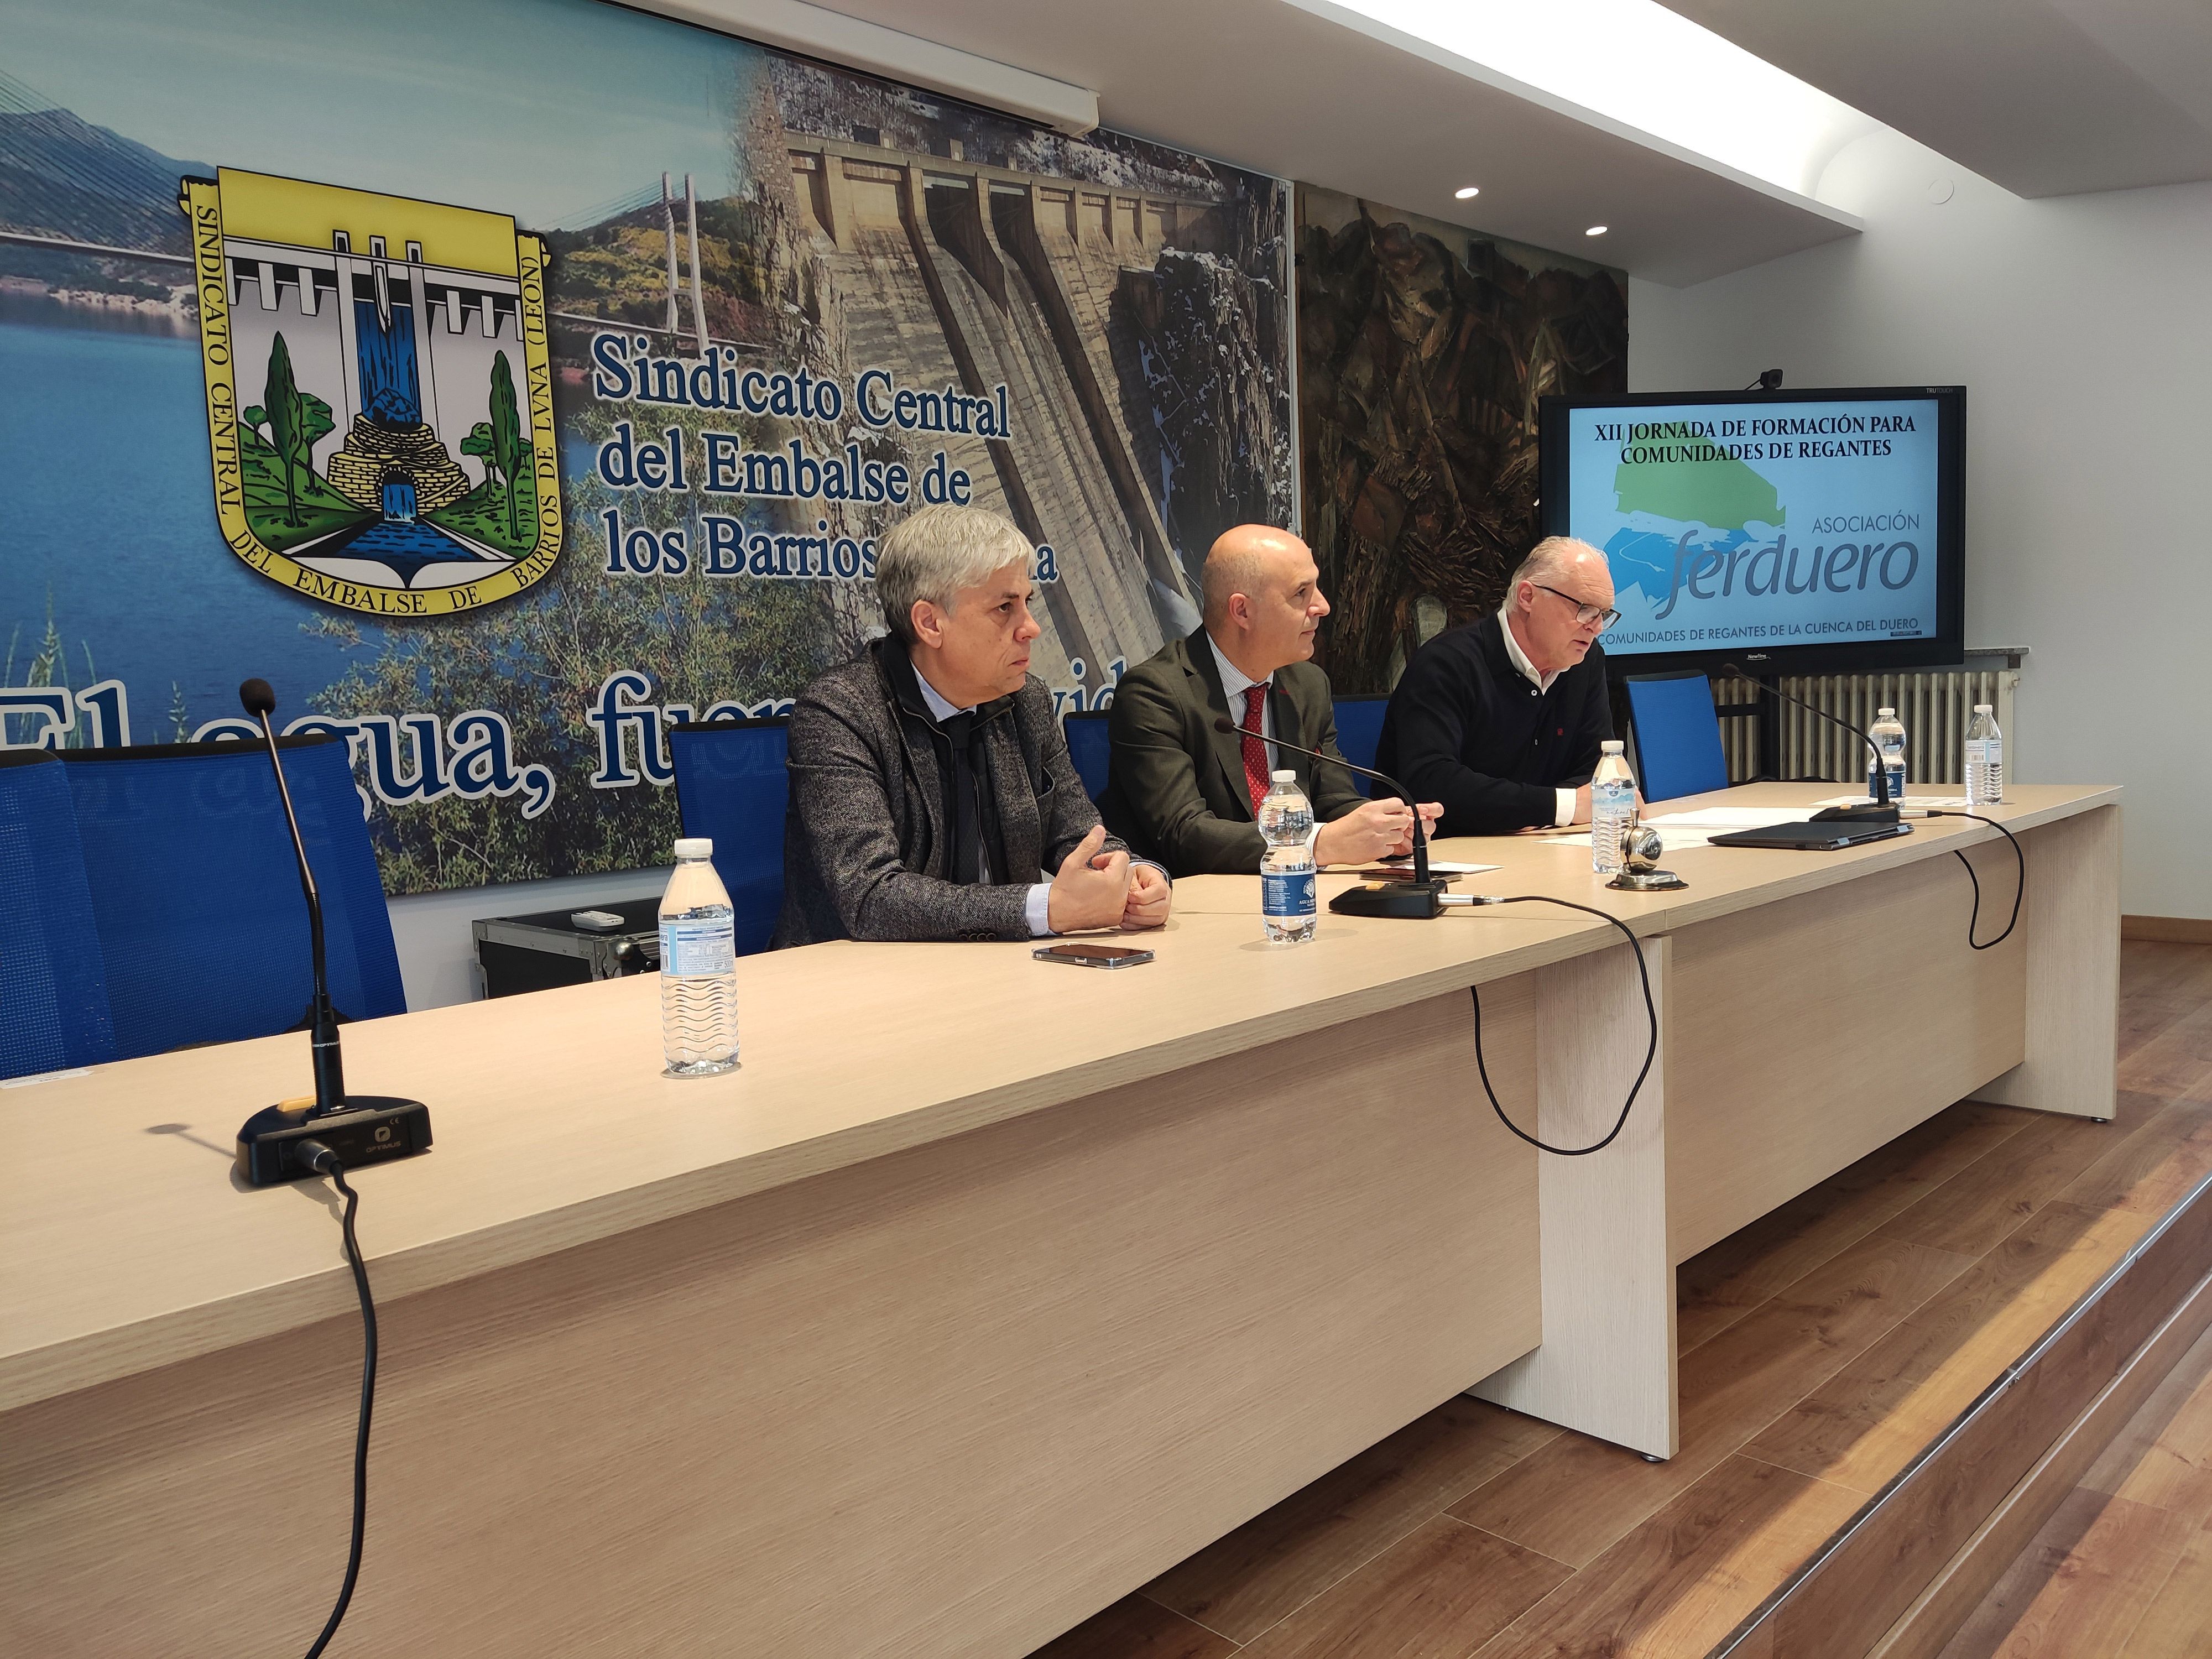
1594 230
1467 191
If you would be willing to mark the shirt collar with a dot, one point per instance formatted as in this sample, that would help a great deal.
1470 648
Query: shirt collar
1234 680
940 709
1516 656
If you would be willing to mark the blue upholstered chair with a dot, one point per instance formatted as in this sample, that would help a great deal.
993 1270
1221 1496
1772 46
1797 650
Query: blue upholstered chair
54 984
731 786
1088 747
196 894
1678 736
1359 730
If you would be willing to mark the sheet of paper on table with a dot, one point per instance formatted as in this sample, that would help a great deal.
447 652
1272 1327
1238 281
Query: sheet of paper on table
1694 828
1403 866
1946 803
1673 839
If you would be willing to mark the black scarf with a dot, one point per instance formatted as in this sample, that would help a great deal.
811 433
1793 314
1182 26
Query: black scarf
964 766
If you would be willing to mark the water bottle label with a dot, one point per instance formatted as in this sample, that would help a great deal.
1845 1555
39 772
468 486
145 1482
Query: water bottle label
1289 894
698 947
1978 750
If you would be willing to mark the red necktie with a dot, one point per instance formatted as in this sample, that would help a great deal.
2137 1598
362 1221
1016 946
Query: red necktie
1256 752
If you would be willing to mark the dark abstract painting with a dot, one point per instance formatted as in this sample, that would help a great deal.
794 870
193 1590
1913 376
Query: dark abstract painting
1423 349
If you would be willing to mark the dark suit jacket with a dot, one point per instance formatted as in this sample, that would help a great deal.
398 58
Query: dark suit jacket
866 845
1174 787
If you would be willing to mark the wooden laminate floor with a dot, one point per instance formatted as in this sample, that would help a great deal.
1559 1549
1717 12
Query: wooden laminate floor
1821 1347
2122 1569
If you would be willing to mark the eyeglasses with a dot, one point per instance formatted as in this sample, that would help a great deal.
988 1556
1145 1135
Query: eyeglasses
1585 614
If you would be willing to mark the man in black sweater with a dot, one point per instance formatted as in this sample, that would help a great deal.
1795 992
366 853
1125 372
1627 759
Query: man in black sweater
1501 720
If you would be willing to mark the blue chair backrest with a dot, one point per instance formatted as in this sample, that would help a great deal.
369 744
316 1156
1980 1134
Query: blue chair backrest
731 786
53 985
1359 729
1088 747
1678 737
196 893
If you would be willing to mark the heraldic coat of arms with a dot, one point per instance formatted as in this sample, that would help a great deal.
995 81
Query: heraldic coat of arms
378 393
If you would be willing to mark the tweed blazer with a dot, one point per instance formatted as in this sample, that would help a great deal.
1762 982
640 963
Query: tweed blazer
1174 787
865 846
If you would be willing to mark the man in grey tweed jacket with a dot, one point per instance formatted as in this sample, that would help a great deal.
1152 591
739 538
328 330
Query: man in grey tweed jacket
931 796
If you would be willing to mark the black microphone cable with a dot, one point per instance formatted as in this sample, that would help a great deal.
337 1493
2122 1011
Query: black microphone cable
2020 887
1650 1013
321 1159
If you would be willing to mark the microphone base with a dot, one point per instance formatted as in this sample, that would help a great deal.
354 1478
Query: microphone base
1413 900
1648 881
366 1129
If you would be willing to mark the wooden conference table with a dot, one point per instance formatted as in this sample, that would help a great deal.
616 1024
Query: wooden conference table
986 1289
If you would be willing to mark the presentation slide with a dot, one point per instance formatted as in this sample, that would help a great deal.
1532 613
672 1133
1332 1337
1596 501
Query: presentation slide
1743 525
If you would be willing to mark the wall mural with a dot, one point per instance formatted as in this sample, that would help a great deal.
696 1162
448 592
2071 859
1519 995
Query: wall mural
1423 349
505 380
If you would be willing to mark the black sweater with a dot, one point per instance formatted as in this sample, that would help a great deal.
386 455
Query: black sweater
1465 728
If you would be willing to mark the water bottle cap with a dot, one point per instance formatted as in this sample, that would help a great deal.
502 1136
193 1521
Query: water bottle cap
695 846
1884 713
1612 747
1283 777
1982 708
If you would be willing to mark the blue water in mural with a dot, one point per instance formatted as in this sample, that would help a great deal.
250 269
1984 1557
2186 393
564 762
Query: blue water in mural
391 393
136 570
404 544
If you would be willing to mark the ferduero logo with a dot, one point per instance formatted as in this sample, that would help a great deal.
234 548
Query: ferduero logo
378 393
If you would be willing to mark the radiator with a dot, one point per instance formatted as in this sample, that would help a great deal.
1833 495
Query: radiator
1934 704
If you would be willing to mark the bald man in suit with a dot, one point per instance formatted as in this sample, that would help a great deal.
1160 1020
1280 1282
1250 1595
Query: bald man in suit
1184 793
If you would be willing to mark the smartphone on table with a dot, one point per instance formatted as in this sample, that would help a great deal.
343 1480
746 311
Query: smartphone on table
1080 955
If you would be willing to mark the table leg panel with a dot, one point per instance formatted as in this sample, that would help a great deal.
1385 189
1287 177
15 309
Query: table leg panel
1807 1032
949 1401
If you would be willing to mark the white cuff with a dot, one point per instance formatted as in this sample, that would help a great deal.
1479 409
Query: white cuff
1564 801
1039 909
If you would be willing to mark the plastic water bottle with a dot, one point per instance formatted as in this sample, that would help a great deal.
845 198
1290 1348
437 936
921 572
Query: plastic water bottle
698 967
1984 759
1613 805
1888 734
1288 902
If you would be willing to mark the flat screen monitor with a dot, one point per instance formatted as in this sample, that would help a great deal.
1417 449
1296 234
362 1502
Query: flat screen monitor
1791 531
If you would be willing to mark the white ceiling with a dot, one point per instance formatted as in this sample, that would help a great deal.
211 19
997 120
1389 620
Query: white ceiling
1307 90
2045 97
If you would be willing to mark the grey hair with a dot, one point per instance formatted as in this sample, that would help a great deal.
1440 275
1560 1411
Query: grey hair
1549 558
935 553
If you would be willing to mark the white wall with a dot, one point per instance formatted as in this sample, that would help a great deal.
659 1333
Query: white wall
437 951
2082 327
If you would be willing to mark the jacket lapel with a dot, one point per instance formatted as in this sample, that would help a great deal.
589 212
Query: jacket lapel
1228 749
925 800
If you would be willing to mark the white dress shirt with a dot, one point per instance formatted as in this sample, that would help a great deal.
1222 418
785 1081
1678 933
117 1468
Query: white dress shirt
1563 799
1236 682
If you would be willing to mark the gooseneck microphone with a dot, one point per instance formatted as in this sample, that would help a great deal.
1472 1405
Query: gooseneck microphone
1223 723
260 702
334 1135
357 1129
1883 811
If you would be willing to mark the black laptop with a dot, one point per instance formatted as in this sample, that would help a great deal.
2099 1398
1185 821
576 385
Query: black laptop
1812 836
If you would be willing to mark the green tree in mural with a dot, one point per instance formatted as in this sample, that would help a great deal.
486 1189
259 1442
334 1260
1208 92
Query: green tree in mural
508 449
479 444
297 421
